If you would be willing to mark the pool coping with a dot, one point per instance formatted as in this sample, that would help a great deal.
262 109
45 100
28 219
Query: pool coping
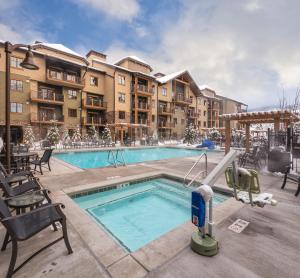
109 252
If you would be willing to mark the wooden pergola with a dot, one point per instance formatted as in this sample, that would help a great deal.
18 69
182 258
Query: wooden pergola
247 118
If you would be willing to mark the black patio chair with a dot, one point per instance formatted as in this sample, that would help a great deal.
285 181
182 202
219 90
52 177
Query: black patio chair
44 160
11 178
25 226
295 177
9 191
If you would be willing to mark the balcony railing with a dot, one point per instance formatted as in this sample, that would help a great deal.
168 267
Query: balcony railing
95 120
142 105
49 96
192 114
64 77
143 122
165 110
95 102
143 89
46 117
166 125
182 99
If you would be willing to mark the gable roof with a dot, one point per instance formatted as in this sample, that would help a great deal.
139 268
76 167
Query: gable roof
59 48
135 59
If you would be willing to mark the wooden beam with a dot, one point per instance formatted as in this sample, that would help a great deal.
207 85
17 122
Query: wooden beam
276 124
227 136
247 138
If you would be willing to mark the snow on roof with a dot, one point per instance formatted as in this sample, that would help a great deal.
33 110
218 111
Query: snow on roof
121 68
135 58
258 113
170 76
59 47
204 86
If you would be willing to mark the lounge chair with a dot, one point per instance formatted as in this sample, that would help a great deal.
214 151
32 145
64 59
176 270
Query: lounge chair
24 226
44 160
31 185
16 177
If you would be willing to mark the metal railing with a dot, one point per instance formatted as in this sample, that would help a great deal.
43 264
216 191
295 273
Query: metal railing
166 124
165 110
181 98
96 102
51 96
64 76
199 173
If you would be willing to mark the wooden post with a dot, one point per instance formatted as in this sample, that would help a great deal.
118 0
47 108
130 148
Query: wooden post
247 137
122 142
227 136
135 100
276 124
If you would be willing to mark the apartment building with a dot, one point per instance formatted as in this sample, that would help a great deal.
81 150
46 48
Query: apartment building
83 91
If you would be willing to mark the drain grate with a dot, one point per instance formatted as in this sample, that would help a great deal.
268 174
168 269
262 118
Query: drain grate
238 226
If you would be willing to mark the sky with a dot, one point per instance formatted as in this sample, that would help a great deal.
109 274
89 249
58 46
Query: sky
244 49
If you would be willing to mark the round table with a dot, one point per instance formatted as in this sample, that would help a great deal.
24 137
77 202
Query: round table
24 157
20 203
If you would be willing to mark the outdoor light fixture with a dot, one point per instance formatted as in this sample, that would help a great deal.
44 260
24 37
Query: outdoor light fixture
28 63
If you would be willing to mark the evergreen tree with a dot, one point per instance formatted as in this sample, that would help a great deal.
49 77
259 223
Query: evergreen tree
189 134
106 135
28 136
65 136
93 134
214 134
53 134
76 135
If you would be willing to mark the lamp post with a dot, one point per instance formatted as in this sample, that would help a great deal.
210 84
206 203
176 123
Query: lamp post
28 63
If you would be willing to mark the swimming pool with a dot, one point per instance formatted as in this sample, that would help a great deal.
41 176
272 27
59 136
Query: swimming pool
136 214
86 160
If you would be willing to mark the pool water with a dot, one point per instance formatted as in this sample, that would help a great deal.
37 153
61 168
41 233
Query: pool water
140 213
97 159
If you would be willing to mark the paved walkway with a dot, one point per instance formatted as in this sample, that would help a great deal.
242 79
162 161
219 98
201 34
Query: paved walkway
268 247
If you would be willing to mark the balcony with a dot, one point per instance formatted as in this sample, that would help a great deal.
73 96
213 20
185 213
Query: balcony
143 90
94 103
181 100
64 79
142 106
46 118
165 111
48 97
166 125
192 114
143 122
95 120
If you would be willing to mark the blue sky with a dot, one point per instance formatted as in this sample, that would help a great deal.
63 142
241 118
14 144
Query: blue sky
246 50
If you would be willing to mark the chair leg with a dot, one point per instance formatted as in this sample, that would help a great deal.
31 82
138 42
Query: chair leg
5 242
298 190
49 166
13 259
41 169
65 235
284 181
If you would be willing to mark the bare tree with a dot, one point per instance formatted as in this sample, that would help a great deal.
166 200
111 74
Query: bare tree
292 106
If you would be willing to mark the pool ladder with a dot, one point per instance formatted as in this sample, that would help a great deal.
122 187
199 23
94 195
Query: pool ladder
116 157
199 173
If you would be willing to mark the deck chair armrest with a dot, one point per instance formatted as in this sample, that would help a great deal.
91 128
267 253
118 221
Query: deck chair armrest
45 207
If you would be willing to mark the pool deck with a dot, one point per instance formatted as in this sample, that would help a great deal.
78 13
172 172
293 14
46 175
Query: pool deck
268 247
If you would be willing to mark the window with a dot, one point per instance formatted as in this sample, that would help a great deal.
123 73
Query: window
71 77
204 102
182 121
153 103
164 92
204 124
121 79
15 62
204 113
94 81
16 107
199 123
175 121
16 85
153 118
72 94
72 113
122 115
122 97
55 74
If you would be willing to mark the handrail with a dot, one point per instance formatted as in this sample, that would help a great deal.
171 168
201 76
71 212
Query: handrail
196 163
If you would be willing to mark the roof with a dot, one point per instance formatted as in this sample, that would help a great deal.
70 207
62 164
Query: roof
58 47
122 68
170 76
262 116
134 58
204 86
223 97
